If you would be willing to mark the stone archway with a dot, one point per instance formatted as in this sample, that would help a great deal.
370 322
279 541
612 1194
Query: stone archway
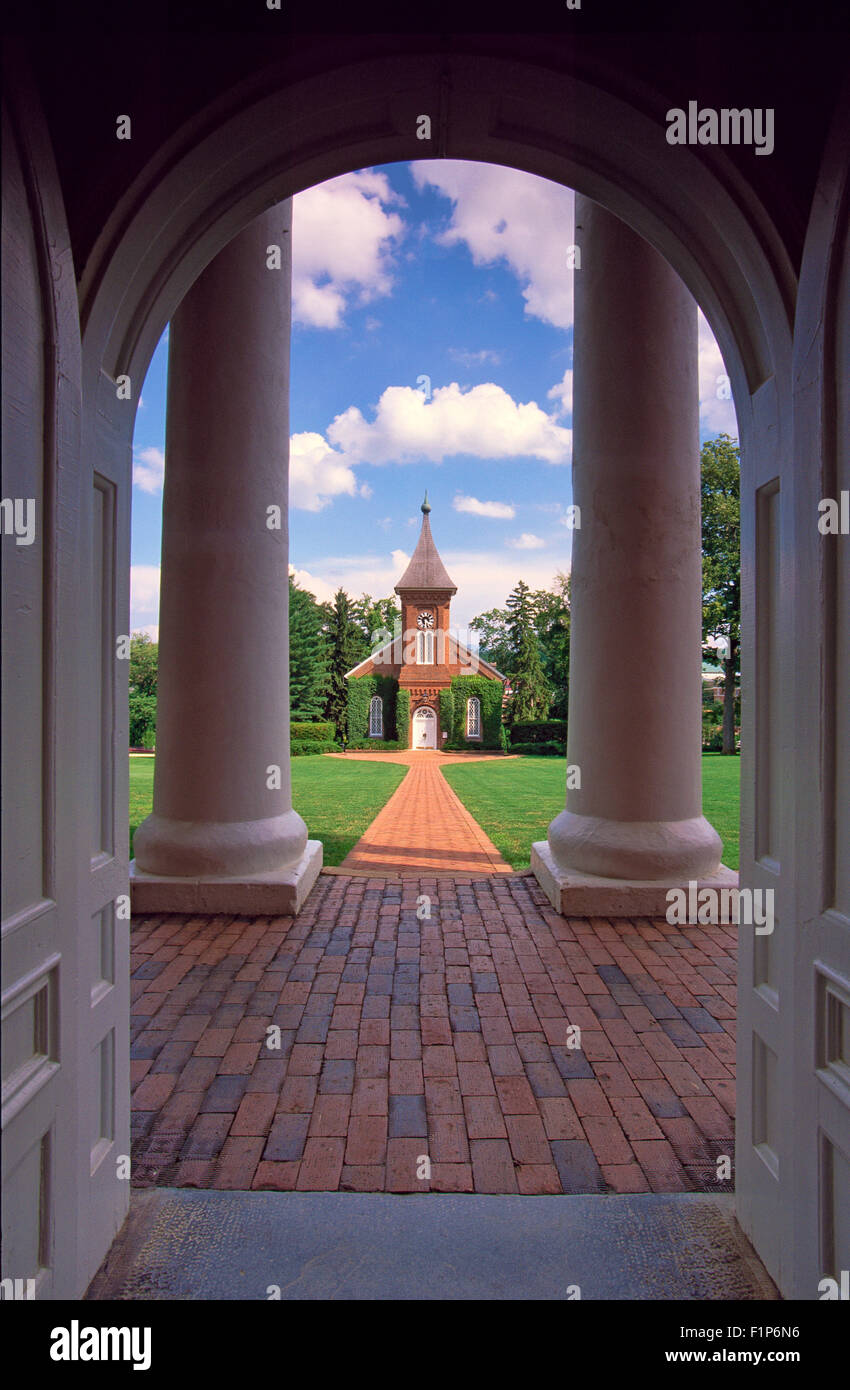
207 188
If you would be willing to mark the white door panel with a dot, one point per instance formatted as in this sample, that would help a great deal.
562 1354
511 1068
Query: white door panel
53 1000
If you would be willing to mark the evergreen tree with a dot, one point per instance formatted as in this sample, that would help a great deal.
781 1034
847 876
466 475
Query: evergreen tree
553 629
720 487
308 656
344 642
549 612
530 690
372 616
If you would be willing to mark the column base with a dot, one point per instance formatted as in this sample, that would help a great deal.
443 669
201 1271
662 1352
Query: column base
278 893
575 894
667 850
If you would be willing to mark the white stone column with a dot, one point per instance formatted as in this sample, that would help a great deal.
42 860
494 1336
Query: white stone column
223 835
634 730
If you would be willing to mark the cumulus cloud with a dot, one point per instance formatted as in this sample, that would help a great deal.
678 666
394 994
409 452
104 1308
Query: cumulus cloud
510 216
502 511
144 598
332 269
357 574
716 412
562 392
484 422
148 470
484 578
317 473
319 588
526 541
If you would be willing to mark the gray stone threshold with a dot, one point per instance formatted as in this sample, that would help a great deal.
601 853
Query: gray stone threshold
181 1243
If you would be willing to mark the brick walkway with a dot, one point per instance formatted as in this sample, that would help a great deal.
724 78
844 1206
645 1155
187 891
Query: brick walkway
424 825
446 1037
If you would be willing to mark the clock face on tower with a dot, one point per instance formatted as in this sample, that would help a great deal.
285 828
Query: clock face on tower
425 620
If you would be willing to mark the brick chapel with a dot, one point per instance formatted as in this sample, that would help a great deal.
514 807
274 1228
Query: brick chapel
425 657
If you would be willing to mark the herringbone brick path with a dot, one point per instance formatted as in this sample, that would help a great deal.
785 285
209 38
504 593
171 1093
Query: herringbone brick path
396 1021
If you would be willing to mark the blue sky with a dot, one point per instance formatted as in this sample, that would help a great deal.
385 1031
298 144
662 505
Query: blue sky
456 273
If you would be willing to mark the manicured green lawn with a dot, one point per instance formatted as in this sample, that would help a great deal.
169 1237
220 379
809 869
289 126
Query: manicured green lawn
721 797
515 800
141 791
337 799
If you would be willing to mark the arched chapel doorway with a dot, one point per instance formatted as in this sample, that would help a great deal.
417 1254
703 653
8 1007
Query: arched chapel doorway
424 728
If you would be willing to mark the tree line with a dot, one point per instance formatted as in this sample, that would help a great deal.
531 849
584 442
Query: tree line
527 640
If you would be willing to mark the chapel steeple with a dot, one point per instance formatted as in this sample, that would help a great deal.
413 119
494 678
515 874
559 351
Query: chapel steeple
426 570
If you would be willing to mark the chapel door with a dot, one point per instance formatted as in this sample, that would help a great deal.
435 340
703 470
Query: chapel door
424 728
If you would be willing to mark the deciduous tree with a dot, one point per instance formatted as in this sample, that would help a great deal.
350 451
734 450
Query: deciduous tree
721 565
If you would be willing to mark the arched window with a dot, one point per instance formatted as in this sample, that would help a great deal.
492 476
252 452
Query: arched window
376 717
473 717
425 648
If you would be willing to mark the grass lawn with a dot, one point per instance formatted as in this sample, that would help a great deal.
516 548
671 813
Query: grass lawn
515 800
337 799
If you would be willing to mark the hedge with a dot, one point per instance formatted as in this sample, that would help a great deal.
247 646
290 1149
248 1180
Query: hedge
302 747
539 731
360 692
322 733
376 745
551 749
453 711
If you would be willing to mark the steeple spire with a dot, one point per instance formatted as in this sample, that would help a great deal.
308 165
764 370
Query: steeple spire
426 570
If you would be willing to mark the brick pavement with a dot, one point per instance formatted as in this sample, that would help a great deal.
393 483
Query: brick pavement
424 825
446 1036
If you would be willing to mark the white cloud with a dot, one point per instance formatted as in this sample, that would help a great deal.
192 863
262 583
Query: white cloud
343 238
484 578
562 391
475 359
144 597
506 214
715 413
499 510
526 541
320 590
484 422
357 574
316 473
149 470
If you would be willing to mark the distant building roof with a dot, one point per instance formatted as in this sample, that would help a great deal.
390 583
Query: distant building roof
426 570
